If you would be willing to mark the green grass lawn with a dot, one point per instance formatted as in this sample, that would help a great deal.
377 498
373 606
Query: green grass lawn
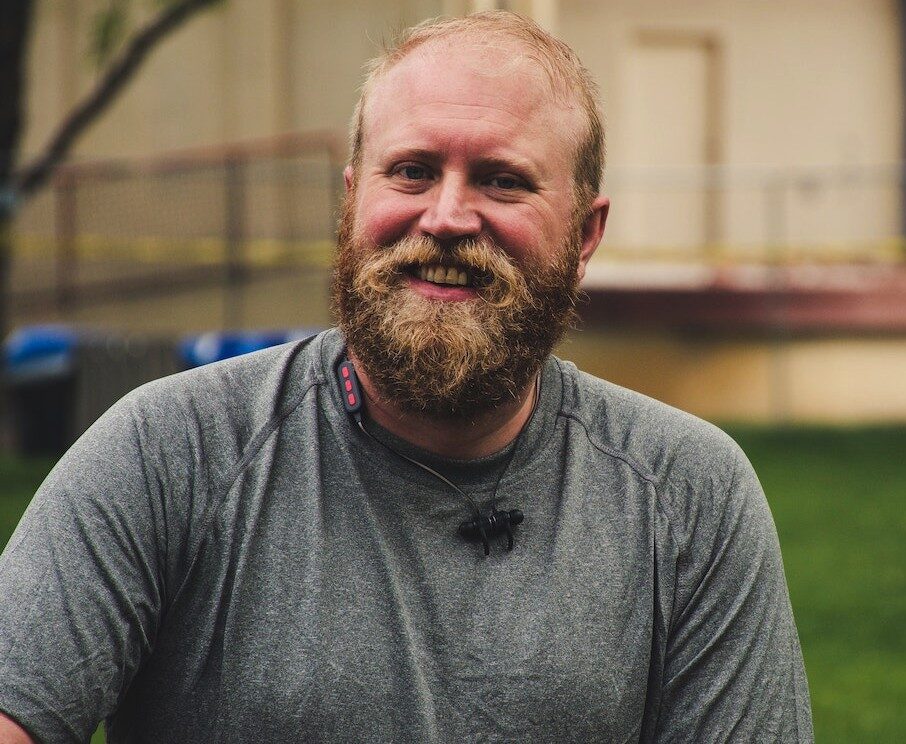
838 497
839 501
18 481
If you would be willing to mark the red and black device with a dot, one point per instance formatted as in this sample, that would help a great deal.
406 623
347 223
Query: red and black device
349 386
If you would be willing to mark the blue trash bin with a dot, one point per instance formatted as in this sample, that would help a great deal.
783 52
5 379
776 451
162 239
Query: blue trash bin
40 372
195 351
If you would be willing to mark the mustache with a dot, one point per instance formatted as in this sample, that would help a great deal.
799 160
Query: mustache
478 255
498 281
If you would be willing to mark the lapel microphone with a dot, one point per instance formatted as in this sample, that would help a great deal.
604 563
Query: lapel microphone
482 526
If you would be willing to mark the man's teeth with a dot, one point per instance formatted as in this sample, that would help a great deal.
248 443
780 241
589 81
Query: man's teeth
444 275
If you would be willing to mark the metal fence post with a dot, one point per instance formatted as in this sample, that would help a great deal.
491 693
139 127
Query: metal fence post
66 223
234 239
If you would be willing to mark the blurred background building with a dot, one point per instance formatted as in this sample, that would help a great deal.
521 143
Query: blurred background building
753 265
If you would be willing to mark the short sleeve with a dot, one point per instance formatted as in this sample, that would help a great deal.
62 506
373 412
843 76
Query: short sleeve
81 584
733 668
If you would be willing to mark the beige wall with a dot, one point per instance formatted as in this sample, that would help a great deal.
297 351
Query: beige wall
850 379
799 84
811 84
741 85
803 82
806 82
250 68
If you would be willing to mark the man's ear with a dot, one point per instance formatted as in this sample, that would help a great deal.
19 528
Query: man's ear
348 177
592 231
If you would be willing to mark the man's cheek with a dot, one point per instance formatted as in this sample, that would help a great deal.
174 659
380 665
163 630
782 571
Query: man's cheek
520 233
387 219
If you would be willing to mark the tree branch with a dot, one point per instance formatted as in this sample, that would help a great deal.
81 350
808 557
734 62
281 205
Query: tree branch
34 174
15 17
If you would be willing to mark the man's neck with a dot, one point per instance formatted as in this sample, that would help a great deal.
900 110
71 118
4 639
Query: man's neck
456 438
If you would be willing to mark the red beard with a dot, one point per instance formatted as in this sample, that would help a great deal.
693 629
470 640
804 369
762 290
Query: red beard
450 359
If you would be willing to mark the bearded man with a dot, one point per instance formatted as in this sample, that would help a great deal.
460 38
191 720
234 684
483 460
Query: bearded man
422 526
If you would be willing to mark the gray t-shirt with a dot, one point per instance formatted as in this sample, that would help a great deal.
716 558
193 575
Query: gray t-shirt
224 556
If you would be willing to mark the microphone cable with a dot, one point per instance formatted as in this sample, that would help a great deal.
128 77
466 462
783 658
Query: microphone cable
481 527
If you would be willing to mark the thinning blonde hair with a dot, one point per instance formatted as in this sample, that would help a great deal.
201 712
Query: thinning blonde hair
565 72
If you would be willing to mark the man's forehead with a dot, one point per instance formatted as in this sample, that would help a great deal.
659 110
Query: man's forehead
491 58
472 72
474 76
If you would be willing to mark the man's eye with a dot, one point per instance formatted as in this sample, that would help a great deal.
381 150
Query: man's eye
413 172
505 183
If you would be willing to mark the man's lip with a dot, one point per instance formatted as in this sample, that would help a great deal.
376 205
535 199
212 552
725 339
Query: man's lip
446 292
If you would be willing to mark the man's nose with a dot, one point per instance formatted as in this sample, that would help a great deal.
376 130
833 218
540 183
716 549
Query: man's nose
451 214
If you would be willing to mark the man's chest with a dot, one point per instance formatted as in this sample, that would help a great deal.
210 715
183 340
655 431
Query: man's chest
337 619
417 658
354 624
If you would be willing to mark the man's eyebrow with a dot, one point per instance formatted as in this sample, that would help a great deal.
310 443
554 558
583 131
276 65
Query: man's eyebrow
394 154
521 165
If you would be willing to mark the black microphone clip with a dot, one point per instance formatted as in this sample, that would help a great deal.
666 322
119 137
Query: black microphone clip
484 526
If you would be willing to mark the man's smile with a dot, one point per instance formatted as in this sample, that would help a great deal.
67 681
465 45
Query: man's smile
439 274
452 286
443 281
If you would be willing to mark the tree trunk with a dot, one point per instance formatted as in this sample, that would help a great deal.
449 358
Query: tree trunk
33 175
15 16
17 184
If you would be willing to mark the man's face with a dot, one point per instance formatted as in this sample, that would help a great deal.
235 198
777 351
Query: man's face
460 244
463 142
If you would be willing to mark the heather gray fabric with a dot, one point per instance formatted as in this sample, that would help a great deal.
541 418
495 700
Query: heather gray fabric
225 557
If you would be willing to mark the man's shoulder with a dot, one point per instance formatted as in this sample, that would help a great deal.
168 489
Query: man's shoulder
671 448
256 383
229 401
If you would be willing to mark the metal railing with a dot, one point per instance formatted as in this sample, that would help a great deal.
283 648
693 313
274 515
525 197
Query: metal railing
217 214
206 215
765 214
